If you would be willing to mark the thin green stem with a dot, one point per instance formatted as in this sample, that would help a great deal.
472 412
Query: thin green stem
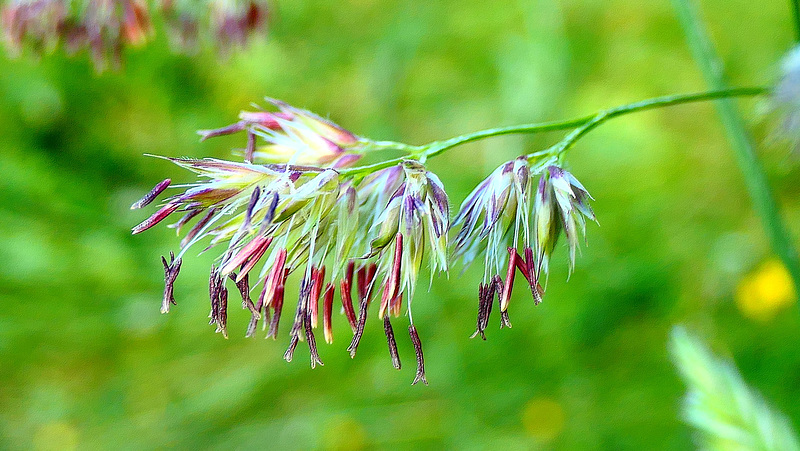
373 146
366 169
796 17
603 116
570 140
584 124
435 148
657 102
755 179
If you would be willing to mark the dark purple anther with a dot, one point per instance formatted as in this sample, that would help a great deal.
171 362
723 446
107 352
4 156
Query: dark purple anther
233 128
489 299
362 321
198 227
151 196
185 219
251 147
213 295
251 327
302 305
266 223
479 321
485 299
499 288
528 269
312 342
504 320
244 290
297 325
248 215
219 302
387 329
171 271
420 376
222 317
157 217
289 354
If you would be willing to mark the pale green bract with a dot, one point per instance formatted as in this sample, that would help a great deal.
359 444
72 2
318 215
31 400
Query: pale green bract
727 414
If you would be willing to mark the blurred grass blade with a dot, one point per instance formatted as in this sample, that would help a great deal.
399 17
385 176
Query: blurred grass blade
756 181
727 414
795 4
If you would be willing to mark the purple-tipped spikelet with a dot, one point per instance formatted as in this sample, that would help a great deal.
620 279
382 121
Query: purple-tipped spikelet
496 219
562 204
415 220
293 135
365 235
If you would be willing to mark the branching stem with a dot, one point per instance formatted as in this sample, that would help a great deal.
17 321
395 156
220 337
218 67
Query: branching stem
582 125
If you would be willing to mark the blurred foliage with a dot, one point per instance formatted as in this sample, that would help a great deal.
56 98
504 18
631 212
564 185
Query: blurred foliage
88 362
727 414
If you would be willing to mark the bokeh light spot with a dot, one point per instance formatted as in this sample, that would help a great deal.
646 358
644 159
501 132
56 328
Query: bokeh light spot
344 433
56 436
543 419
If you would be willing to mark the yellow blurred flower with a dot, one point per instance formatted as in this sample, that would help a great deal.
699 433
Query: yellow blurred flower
764 293
543 419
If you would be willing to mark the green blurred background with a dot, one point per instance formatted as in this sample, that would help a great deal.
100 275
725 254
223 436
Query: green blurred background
87 361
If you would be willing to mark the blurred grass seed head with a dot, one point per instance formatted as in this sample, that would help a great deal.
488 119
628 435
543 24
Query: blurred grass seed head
727 414
107 27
